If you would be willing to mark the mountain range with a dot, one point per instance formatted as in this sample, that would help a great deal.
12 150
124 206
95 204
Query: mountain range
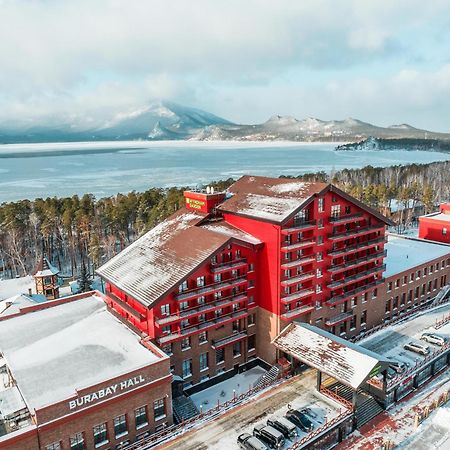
163 120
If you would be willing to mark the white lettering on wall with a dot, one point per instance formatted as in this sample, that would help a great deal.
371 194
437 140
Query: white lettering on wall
105 392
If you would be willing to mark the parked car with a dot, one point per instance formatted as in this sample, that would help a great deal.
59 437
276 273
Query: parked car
432 338
417 348
398 366
300 419
269 435
284 426
248 442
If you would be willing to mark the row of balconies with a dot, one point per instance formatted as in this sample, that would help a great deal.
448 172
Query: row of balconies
339 318
211 288
335 268
346 218
228 265
354 232
299 278
298 245
204 326
341 298
297 312
297 295
298 262
358 246
203 309
356 277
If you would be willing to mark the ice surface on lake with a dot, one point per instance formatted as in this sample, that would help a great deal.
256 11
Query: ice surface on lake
106 168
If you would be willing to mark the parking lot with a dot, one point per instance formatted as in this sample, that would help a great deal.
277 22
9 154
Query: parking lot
390 341
300 393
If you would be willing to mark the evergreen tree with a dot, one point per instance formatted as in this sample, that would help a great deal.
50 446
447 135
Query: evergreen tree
84 282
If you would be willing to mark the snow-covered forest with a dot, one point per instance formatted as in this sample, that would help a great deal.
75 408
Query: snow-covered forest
75 230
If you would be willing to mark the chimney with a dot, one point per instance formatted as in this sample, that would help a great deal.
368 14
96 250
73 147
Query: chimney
30 292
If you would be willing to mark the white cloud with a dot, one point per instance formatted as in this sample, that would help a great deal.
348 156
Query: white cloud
89 60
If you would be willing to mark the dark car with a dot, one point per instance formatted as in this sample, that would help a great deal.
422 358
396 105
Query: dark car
284 426
269 435
300 419
398 366
248 442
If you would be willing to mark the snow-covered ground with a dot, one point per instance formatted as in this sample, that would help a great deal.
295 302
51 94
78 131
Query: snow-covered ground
9 288
221 392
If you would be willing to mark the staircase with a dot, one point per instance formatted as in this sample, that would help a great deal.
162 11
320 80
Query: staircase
183 408
267 377
366 406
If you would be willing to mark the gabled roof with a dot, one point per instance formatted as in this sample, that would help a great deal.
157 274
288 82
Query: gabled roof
163 257
278 199
44 268
345 361
269 199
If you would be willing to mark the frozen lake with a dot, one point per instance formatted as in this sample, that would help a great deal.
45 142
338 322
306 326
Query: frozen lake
106 168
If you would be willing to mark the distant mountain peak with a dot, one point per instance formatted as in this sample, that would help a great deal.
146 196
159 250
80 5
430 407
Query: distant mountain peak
402 126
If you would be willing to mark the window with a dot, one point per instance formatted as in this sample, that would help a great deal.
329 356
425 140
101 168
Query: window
237 253
218 312
444 231
318 289
347 209
251 267
321 204
220 355
288 256
236 325
185 343
217 277
201 300
200 281
251 319
77 442
217 295
183 286
251 283
165 310
159 409
140 417
234 273
320 223
201 317
203 361
187 368
100 435
54 446
214 260
166 329
251 342
236 349
318 273
184 305
251 299
236 307
375 293
319 240
184 323
319 256
354 303
363 317
389 289
202 337
335 210
120 426
287 273
353 323
167 349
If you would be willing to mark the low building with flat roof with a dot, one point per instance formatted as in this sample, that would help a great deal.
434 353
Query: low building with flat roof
436 226
79 377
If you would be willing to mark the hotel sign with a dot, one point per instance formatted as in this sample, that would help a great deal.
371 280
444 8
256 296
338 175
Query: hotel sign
195 204
106 392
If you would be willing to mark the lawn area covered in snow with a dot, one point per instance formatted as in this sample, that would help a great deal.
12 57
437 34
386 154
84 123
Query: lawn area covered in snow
225 390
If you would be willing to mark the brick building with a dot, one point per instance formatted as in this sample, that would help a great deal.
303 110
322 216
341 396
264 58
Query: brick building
217 281
74 376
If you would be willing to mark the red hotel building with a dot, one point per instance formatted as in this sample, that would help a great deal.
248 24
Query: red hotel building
213 284
436 226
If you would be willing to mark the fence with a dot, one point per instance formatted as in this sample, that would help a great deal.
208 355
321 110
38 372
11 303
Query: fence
183 427
444 321
334 396
425 411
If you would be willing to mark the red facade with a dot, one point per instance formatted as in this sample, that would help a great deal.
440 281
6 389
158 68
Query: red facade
436 227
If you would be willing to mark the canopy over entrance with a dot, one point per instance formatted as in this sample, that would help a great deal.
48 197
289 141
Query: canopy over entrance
345 361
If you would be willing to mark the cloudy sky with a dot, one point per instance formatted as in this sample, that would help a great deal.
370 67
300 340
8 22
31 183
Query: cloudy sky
84 61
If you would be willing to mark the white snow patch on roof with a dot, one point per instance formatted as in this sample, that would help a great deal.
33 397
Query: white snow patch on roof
9 288
439 216
232 232
270 208
404 254
11 401
53 352
293 187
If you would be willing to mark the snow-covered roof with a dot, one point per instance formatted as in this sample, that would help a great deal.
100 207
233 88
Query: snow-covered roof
45 268
438 216
14 304
10 288
55 351
11 401
404 253
227 229
160 259
271 199
341 359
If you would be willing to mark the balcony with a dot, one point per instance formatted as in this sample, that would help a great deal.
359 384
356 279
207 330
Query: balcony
229 265
342 317
356 277
302 244
354 233
297 295
301 226
297 312
334 268
236 337
346 218
204 326
337 299
203 309
125 306
298 262
358 246
204 290
299 278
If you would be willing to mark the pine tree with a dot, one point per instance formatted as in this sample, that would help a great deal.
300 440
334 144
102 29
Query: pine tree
84 283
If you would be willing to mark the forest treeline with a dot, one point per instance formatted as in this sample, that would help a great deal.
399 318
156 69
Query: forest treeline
77 231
